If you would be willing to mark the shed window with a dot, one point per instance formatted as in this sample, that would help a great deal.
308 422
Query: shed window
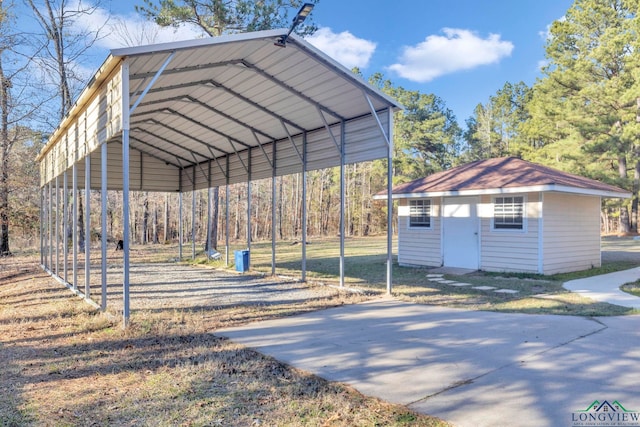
508 213
420 213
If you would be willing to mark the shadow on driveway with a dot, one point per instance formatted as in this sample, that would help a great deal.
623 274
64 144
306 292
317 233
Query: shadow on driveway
470 368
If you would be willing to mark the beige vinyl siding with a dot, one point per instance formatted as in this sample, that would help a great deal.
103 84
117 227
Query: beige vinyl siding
571 237
510 250
418 246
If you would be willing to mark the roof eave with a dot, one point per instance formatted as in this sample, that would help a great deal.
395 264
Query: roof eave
202 42
510 190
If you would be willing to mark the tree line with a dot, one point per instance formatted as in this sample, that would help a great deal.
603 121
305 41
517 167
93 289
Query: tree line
582 115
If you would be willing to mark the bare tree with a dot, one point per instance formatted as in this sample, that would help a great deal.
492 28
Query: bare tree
145 32
20 98
65 41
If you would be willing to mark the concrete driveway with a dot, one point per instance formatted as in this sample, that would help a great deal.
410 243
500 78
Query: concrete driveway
470 368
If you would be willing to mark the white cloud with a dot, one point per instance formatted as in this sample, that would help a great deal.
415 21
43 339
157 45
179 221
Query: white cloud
116 31
457 50
344 47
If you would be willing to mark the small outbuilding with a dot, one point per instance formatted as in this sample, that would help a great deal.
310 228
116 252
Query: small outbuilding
502 214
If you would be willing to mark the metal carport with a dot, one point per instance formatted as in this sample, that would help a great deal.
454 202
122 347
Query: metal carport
190 115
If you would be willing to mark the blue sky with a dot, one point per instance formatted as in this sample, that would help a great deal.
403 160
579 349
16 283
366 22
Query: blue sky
461 50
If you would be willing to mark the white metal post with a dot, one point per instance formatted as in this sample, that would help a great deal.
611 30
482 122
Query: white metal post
274 218
209 197
193 217
57 227
249 217
50 227
65 225
226 223
42 226
249 205
389 201
125 190
103 225
180 225
304 207
87 227
75 226
342 197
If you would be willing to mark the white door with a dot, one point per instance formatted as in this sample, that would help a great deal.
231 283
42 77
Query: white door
460 232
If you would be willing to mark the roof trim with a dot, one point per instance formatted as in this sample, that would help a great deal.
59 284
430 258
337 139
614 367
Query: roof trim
509 190
194 43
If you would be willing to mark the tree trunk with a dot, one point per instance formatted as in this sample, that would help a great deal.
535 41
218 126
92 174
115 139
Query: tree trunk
624 226
634 194
166 218
145 218
80 223
155 223
214 218
4 164
236 227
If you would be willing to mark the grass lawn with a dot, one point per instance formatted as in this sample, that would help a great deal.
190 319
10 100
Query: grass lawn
365 268
632 288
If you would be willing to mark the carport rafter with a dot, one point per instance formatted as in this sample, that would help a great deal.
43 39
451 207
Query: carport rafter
290 89
168 162
169 142
192 100
185 135
173 112
256 105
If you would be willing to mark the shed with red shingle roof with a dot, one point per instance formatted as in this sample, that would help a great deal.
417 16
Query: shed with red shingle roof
502 214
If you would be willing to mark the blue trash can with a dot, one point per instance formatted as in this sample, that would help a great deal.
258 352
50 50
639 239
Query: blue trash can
242 260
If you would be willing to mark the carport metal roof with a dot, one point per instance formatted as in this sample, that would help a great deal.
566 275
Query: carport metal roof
203 113
217 111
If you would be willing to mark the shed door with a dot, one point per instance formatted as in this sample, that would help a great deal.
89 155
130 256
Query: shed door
460 232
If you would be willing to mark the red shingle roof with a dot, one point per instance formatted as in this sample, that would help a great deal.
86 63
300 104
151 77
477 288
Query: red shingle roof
503 173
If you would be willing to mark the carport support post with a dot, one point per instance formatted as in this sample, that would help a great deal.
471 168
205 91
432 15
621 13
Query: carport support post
342 197
103 225
389 201
50 227
193 217
87 226
273 210
125 191
42 226
304 207
180 223
65 224
57 227
226 221
75 225
249 204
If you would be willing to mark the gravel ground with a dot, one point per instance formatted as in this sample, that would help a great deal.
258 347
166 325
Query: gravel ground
162 286
620 249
